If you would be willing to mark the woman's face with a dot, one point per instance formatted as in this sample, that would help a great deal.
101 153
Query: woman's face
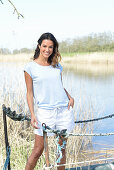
46 48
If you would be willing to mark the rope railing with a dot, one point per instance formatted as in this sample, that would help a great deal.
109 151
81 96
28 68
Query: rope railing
96 119
21 117
94 134
13 115
59 134
63 133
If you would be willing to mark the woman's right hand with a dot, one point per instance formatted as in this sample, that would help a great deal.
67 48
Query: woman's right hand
34 122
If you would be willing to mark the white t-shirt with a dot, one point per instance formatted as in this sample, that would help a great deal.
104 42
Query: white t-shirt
48 90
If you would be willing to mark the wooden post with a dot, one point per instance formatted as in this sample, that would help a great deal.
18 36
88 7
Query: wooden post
6 135
46 148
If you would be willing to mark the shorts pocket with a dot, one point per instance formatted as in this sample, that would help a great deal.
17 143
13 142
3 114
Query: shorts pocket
71 107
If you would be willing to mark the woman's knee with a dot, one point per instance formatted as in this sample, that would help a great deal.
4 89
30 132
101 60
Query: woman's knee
62 141
37 152
38 146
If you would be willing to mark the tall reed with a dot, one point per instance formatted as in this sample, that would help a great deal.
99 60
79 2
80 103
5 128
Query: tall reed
20 134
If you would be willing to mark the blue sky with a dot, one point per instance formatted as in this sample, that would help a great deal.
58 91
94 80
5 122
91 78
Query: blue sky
64 18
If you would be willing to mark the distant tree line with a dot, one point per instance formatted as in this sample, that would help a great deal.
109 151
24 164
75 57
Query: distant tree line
91 43
16 51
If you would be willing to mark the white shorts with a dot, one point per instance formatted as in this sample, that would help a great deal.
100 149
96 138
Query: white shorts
59 118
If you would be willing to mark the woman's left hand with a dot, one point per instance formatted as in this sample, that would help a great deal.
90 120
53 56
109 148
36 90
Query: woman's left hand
71 103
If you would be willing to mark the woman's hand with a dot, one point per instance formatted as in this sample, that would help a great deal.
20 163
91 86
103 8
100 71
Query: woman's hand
34 122
71 103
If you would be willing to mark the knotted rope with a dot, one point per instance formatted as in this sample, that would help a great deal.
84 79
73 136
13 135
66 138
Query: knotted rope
13 115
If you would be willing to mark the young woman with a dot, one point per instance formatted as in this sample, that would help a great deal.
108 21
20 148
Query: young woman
43 77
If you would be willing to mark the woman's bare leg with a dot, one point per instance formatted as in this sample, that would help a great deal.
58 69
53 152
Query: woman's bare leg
63 160
36 152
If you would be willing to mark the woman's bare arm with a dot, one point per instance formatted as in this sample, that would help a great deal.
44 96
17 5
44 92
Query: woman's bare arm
29 86
71 100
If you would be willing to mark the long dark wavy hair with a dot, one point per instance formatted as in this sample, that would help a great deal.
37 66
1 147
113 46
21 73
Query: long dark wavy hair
55 57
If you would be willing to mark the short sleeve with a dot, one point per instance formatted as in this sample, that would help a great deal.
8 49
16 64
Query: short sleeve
27 68
60 67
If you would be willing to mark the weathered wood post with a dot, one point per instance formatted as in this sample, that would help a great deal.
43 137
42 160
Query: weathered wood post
6 134
46 145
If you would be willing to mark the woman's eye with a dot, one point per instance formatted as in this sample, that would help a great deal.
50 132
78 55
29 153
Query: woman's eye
46 46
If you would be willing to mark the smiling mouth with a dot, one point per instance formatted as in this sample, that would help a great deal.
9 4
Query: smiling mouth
46 53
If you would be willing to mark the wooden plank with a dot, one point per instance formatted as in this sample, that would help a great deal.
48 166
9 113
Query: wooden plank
6 134
46 148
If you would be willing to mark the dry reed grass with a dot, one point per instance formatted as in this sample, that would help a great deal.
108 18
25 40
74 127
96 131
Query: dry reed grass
21 136
23 57
93 58
21 139
93 63
90 63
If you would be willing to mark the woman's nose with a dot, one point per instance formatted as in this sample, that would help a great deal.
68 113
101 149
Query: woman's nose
47 49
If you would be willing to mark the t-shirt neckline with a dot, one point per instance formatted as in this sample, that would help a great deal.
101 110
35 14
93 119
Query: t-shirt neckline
41 65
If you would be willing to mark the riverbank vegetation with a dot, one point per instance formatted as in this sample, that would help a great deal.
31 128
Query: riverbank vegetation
20 134
97 63
21 138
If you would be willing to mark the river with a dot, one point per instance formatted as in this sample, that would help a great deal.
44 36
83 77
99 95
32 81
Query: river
96 92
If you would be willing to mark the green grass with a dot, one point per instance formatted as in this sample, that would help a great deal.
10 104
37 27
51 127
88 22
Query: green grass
68 54
75 54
